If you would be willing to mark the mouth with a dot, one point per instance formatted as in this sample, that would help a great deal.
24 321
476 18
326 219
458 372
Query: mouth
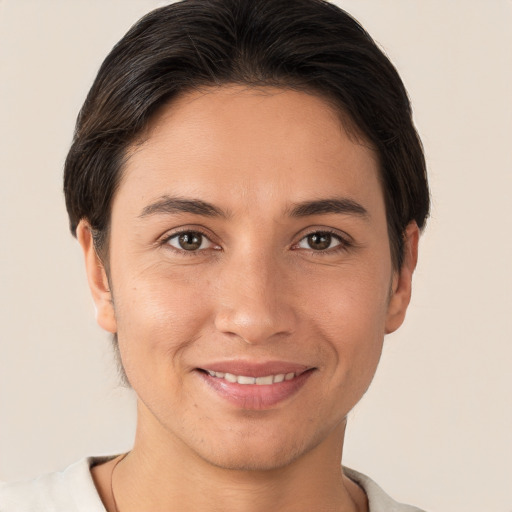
246 380
255 387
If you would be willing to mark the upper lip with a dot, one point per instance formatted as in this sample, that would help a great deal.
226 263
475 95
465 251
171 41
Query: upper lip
255 369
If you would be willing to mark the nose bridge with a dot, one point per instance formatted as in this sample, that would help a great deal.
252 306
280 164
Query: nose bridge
254 301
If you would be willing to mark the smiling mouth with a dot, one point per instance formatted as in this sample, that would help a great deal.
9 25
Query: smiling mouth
260 391
246 380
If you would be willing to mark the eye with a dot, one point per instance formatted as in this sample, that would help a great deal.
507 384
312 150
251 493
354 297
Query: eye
320 241
190 241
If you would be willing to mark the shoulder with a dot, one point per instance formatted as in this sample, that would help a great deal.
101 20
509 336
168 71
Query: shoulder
71 490
378 500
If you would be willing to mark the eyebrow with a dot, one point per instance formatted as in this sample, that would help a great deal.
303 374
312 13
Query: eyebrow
343 206
170 205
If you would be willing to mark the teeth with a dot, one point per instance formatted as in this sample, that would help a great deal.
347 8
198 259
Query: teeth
244 379
265 380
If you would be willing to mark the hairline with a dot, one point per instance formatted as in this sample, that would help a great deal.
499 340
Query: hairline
101 238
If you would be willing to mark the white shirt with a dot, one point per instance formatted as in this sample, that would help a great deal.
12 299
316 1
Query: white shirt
73 490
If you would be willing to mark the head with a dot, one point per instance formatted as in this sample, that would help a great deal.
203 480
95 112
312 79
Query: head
224 59
305 45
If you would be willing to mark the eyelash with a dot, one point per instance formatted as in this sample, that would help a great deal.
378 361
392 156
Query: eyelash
344 243
165 241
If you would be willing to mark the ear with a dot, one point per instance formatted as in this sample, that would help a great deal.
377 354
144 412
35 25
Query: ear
402 280
97 277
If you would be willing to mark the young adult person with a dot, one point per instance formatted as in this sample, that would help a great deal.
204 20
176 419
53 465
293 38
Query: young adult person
248 190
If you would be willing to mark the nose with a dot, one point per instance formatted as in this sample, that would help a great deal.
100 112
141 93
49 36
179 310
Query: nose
255 299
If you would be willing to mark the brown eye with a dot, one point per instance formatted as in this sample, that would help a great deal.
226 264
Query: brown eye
319 241
189 241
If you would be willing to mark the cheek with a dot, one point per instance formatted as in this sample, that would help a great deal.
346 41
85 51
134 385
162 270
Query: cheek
353 300
158 313
351 313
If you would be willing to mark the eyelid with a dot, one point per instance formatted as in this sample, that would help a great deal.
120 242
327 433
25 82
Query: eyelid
334 238
175 232
345 240
204 241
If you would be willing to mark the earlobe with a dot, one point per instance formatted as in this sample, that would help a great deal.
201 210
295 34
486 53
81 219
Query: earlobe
97 278
402 281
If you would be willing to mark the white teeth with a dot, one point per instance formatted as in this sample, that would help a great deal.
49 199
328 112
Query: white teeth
269 379
244 379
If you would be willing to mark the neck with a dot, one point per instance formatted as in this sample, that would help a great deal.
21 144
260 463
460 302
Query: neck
162 474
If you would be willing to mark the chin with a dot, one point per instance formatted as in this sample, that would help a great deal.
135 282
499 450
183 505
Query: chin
257 451
244 459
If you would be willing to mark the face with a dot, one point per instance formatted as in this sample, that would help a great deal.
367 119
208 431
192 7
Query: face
251 275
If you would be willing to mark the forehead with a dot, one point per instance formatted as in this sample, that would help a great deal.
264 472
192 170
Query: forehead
247 146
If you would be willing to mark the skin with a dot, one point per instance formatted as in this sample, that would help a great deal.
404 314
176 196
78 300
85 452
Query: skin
254 291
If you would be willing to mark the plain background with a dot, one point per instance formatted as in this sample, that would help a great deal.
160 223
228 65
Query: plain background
435 427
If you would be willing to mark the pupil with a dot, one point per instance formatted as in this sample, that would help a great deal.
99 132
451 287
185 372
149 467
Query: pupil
190 241
319 241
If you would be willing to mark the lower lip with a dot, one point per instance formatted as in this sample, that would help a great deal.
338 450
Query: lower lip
254 396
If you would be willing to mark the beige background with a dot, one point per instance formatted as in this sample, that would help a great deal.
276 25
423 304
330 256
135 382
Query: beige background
435 427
